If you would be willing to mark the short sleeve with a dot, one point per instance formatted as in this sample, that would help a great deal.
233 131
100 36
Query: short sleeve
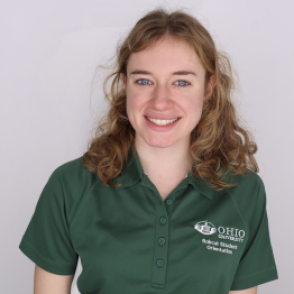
47 240
257 264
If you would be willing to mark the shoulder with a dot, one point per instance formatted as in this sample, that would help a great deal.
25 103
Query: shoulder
248 183
69 184
72 171
248 195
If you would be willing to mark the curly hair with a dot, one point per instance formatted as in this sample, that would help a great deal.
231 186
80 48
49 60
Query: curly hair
218 144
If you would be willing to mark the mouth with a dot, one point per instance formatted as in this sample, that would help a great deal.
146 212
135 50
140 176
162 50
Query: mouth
162 122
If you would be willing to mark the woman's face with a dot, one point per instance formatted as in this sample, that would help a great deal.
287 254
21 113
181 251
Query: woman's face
165 82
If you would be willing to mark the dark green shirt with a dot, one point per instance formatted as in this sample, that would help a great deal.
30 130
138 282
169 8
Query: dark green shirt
131 241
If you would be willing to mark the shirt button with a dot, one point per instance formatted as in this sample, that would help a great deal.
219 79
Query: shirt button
161 241
159 262
162 220
169 202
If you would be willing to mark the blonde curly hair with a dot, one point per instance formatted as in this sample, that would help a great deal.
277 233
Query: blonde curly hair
218 145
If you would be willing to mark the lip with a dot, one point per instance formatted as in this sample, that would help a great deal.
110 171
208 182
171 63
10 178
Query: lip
169 117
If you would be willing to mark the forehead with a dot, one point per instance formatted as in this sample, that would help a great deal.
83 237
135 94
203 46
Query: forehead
166 55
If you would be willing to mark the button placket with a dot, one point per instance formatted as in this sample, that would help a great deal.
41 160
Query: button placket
160 247
163 209
160 264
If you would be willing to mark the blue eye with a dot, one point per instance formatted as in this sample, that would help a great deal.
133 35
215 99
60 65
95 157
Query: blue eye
143 82
182 83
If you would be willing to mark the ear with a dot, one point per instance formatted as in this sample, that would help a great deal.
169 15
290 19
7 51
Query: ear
123 78
209 88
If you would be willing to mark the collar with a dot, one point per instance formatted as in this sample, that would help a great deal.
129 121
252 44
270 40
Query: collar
132 172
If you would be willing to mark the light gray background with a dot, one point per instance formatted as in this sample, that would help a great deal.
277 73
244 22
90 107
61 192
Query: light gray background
49 51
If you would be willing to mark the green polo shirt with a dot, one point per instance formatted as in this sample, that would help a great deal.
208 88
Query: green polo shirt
130 240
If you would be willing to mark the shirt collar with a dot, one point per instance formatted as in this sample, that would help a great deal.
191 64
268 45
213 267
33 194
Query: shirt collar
133 171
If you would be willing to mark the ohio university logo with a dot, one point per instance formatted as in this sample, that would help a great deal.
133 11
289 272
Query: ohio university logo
205 227
208 228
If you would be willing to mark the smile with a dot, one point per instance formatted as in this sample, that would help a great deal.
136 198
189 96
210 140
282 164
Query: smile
162 122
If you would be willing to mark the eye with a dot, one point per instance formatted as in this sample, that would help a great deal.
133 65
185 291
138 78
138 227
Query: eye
142 82
182 83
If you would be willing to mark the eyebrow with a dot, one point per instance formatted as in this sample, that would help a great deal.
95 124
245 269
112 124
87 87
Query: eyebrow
144 72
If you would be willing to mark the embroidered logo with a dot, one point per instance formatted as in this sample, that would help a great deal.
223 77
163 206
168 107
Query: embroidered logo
205 227
208 228
224 233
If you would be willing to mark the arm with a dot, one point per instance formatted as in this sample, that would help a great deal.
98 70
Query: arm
48 283
246 291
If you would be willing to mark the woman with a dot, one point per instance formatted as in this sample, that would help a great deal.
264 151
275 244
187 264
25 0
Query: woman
166 199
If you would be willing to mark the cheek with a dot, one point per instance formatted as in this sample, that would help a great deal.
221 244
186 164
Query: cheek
194 111
128 107
194 106
198 106
134 105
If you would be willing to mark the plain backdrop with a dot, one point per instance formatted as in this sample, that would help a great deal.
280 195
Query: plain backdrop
49 53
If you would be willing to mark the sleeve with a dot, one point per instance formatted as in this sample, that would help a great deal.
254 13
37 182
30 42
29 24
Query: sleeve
257 263
47 241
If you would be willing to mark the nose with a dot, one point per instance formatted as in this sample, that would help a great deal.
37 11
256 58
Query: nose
161 98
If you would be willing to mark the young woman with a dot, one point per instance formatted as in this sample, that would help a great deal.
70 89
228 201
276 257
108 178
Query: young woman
166 199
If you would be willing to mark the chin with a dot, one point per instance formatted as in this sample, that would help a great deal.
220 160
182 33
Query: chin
160 142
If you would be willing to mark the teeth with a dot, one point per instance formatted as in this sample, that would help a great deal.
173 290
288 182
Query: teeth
162 122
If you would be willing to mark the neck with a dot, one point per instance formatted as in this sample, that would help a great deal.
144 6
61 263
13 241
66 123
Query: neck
174 161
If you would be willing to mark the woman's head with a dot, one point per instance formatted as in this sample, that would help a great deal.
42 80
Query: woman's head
217 142
161 44
165 81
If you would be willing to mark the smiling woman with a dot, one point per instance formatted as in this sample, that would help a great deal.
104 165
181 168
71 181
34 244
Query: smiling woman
172 109
166 198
